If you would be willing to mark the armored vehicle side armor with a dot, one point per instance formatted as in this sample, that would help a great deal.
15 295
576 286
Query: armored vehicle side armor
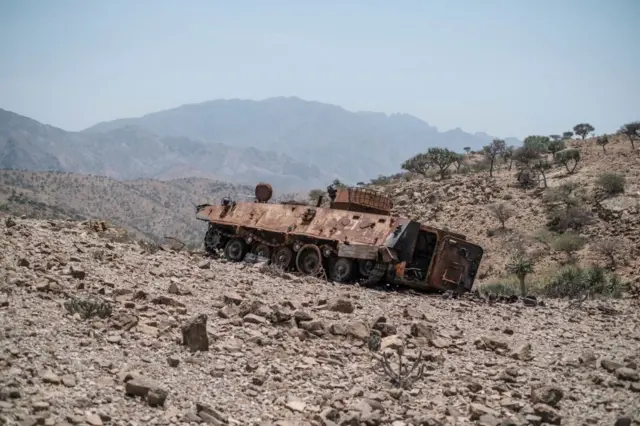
355 238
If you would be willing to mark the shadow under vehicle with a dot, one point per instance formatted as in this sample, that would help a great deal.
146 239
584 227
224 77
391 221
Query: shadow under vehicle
355 238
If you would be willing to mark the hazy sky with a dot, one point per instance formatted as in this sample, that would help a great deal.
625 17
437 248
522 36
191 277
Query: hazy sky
510 67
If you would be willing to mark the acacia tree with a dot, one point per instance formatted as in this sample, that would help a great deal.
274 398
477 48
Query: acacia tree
441 158
632 130
555 137
556 145
491 151
583 129
524 157
338 184
603 140
507 155
567 135
314 194
417 164
567 157
542 165
467 149
539 143
459 158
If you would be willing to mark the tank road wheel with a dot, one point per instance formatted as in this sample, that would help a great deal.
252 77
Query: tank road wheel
262 250
341 269
212 240
235 249
366 267
309 259
282 257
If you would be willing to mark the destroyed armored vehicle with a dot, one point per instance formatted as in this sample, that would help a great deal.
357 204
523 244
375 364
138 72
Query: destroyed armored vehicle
355 238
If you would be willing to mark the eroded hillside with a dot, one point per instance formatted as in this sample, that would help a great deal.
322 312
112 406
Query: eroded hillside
179 339
463 203
148 208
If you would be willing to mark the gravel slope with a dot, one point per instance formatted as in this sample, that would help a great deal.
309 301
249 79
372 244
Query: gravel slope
285 350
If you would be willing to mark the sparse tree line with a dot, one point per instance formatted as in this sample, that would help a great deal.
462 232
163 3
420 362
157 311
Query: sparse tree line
532 160
567 205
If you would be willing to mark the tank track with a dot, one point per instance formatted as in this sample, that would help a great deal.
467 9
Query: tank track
210 244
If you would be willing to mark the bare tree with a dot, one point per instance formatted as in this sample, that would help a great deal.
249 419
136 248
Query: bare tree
492 150
502 212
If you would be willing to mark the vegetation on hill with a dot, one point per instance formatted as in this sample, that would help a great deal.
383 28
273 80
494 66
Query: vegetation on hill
149 209
566 208
551 204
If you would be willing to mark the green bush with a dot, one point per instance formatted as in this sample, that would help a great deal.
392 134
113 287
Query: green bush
569 243
573 281
611 183
569 158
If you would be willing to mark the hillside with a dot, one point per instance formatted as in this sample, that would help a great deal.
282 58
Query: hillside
463 202
460 203
353 146
148 208
178 339
132 153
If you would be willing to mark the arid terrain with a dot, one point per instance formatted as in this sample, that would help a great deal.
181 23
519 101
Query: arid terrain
462 204
262 349
101 330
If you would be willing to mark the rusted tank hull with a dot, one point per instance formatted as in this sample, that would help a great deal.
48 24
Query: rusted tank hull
344 242
304 221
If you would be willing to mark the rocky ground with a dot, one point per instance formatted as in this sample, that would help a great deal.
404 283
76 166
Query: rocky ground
189 340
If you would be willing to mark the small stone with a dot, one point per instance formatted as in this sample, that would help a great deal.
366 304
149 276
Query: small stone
68 380
549 395
623 421
548 414
627 374
49 377
340 305
93 419
254 319
173 361
296 406
194 333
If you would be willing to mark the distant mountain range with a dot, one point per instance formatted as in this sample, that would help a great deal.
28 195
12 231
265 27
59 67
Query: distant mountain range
135 153
289 142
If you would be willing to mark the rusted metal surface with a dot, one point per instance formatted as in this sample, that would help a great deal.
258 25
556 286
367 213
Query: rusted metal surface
294 220
363 200
356 236
264 192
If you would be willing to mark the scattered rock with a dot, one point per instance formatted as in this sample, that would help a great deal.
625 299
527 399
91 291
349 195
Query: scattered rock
194 333
271 336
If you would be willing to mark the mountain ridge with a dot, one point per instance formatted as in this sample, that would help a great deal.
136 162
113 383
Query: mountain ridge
132 152
353 146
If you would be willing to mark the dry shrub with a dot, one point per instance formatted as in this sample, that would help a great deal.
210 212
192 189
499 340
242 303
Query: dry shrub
502 212
611 183
612 248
